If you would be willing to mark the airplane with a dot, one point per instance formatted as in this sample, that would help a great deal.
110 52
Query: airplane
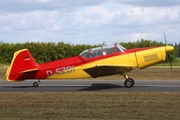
94 62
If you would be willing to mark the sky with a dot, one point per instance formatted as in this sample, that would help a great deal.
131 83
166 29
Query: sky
89 21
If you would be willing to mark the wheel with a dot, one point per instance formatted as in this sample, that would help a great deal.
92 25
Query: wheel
132 81
35 84
129 83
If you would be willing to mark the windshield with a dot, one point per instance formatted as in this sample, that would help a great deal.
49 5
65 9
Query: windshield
121 47
100 51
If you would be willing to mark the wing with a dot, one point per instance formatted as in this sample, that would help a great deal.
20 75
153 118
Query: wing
104 70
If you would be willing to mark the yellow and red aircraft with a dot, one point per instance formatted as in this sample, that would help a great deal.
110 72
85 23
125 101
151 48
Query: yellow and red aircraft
95 62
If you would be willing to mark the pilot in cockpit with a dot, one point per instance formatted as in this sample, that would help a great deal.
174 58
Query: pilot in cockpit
91 53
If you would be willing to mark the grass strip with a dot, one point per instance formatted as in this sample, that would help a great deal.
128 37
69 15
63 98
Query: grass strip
89 105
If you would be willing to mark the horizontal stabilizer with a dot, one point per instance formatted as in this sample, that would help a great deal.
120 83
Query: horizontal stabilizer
30 70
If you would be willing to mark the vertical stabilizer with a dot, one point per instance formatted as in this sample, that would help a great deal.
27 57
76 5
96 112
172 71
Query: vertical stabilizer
21 63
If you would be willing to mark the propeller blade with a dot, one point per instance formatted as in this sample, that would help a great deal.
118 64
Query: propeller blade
165 39
168 54
169 58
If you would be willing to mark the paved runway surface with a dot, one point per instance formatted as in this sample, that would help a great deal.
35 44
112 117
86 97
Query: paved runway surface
91 85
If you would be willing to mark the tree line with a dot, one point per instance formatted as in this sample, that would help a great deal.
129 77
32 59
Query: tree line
41 51
44 52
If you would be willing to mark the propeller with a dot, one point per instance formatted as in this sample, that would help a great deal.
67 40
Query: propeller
168 53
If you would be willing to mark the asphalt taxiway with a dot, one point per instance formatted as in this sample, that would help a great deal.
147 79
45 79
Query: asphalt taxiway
90 85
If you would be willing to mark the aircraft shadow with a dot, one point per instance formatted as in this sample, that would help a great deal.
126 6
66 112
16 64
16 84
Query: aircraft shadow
100 86
18 87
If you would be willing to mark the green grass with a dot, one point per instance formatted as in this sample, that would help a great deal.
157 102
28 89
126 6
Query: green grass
89 105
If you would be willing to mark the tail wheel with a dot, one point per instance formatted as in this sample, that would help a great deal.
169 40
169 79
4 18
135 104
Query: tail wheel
129 83
35 84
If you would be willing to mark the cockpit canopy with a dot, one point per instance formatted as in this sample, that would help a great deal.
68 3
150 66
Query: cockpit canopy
103 50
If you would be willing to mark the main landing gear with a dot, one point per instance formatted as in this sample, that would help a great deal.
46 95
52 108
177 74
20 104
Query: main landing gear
129 82
36 84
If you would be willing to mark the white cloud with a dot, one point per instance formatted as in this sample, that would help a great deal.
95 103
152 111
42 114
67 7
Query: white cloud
89 22
149 3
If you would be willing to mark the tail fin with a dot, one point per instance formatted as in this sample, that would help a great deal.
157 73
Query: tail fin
22 63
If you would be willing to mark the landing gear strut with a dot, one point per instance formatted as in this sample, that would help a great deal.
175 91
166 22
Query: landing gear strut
129 82
36 84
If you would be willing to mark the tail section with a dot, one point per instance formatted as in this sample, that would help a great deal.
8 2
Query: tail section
21 64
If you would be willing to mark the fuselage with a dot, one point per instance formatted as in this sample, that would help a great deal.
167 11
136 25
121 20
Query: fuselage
72 68
113 59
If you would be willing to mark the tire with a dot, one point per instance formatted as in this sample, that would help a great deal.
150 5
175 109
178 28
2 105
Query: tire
129 83
35 84
132 80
